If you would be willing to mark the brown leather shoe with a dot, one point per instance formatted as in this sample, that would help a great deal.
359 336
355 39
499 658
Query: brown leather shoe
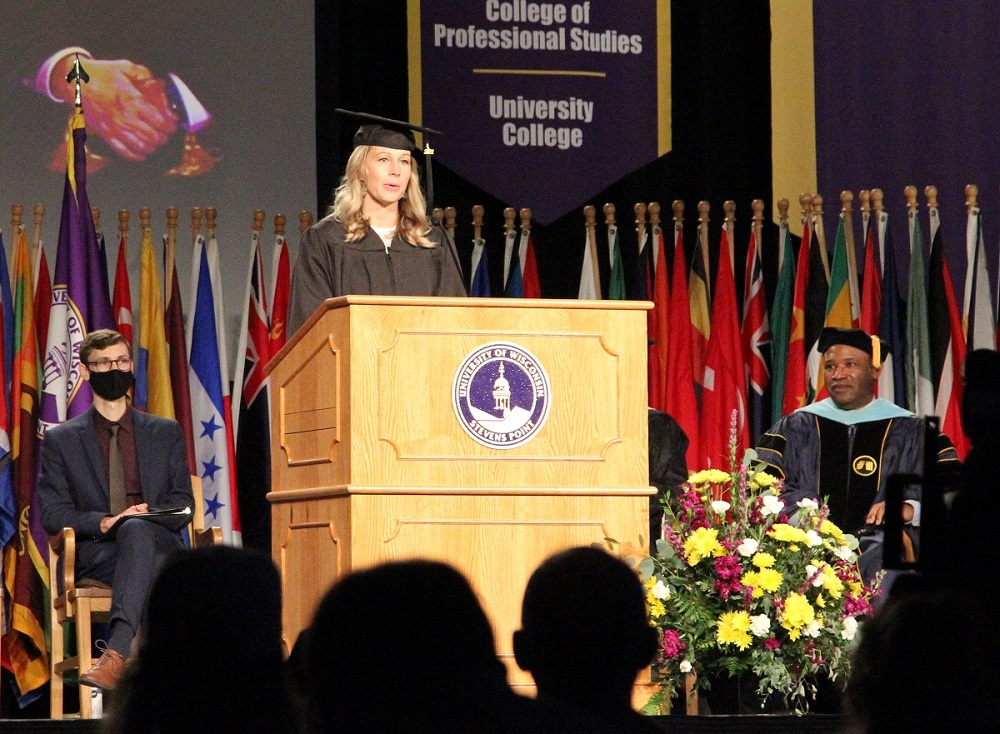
106 671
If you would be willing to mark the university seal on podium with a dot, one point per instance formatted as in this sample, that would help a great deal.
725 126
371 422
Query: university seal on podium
501 395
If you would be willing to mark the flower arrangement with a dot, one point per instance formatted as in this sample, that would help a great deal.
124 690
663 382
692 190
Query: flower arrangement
742 585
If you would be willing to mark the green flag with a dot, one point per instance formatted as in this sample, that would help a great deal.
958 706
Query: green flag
781 321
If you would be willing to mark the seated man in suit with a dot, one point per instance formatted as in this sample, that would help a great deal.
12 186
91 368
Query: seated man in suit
91 476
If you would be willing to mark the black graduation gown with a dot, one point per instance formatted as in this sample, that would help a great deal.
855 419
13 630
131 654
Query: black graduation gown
328 266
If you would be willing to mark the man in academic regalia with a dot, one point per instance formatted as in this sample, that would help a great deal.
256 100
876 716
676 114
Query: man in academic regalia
845 447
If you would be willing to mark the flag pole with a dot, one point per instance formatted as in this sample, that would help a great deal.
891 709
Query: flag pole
847 209
817 216
305 221
729 222
590 220
703 209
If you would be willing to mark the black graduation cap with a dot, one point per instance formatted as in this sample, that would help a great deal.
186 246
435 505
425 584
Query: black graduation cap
396 134
873 346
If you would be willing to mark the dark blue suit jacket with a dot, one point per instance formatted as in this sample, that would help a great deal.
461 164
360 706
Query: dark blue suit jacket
73 487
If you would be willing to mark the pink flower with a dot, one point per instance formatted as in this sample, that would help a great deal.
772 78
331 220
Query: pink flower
672 645
772 643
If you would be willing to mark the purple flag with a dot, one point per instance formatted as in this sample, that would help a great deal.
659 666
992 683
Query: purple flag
80 301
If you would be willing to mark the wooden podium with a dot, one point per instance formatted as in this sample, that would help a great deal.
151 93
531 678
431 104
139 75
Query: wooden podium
371 462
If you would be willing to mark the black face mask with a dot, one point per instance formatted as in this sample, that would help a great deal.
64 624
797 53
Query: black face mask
112 384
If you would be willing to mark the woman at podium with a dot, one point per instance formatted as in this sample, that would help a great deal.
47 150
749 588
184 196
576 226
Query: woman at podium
377 239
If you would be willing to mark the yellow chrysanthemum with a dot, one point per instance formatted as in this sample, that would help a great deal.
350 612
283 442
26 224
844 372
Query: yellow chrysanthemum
855 587
655 607
769 579
828 528
787 533
820 601
709 476
752 579
831 583
762 560
798 613
734 629
761 479
702 543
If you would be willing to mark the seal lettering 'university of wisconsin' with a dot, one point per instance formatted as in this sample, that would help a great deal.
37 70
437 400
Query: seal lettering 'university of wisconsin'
501 395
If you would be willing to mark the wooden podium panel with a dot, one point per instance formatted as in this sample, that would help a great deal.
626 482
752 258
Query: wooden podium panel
370 461
496 540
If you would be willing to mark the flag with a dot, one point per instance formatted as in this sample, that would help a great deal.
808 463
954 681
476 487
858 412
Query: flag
871 291
511 266
947 344
529 266
80 300
781 320
681 400
590 280
7 308
102 261
480 285
513 284
8 510
701 323
121 304
977 311
839 312
211 405
796 384
251 415
892 326
645 268
658 324
815 314
43 295
26 558
616 286
920 389
725 383
281 286
153 392
756 339
180 386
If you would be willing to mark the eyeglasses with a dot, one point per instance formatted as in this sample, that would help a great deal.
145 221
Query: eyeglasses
103 365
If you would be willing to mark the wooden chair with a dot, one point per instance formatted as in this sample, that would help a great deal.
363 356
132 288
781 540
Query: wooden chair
77 603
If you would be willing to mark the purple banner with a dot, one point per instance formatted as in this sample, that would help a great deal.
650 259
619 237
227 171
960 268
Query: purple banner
543 104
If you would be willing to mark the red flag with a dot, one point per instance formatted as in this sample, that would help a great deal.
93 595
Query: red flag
43 296
756 337
281 287
871 289
700 320
947 345
658 327
529 278
121 304
725 384
680 398
173 322
795 365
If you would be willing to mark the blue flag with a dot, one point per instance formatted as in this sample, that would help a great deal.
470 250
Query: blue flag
480 286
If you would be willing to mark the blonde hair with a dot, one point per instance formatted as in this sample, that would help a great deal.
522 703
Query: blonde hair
349 197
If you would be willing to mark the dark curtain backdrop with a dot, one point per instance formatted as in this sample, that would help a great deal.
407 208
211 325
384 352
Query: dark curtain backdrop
721 131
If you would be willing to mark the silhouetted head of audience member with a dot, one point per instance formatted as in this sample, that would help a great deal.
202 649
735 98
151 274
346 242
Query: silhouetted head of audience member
210 656
927 662
584 630
404 647
981 395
